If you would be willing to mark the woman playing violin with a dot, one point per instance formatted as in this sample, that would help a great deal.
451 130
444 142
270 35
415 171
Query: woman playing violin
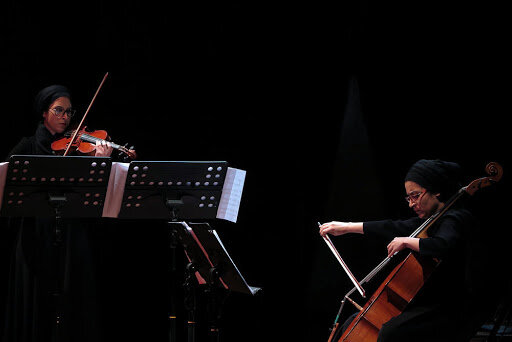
53 104
31 301
433 315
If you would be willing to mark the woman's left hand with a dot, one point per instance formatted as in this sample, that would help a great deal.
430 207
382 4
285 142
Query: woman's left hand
103 149
400 243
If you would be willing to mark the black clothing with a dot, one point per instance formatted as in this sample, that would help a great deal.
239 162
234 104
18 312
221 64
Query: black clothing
39 143
39 268
34 273
433 315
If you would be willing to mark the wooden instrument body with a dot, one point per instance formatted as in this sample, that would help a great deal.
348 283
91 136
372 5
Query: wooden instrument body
391 298
83 146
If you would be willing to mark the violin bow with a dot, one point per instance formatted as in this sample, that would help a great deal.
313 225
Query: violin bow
343 264
83 118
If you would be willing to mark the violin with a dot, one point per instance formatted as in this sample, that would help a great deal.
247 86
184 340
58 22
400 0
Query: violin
85 143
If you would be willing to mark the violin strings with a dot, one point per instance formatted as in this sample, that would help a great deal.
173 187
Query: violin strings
93 139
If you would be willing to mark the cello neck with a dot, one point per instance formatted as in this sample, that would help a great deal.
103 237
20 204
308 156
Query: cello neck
421 231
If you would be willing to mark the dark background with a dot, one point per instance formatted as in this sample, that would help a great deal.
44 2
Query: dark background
324 105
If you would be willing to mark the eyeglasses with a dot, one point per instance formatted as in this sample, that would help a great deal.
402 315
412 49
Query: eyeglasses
59 112
414 196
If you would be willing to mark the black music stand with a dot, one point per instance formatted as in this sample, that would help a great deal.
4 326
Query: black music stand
211 265
177 191
59 187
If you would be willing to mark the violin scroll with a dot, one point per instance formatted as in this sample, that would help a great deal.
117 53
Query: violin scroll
495 172
127 153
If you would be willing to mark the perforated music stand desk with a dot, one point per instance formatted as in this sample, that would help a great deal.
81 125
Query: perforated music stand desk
39 185
175 190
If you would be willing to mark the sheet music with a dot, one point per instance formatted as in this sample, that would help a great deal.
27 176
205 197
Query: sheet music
231 195
3 174
115 190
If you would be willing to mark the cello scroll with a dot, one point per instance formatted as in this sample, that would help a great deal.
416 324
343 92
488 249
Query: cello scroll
495 172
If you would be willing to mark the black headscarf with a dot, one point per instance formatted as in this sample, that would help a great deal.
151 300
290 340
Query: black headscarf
47 95
436 176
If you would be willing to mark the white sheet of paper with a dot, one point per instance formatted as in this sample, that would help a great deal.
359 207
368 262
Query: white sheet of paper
115 190
231 195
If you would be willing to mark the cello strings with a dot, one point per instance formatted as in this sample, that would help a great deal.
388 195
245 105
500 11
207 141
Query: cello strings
428 222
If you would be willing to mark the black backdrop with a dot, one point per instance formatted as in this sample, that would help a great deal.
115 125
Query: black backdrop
325 106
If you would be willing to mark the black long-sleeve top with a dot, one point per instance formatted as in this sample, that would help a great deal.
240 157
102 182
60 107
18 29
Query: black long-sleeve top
38 144
444 237
446 241
33 273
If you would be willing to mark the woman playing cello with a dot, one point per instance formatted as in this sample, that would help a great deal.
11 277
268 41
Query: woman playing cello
434 314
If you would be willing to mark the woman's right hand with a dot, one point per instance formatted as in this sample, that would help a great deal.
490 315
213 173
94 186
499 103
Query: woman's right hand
340 228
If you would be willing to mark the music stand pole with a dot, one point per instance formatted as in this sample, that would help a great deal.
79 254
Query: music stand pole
189 290
174 335
216 298
173 315
57 202
190 300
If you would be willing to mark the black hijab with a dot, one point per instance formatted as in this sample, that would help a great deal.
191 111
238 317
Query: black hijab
437 176
47 95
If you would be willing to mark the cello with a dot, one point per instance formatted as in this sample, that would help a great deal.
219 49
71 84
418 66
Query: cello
405 280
